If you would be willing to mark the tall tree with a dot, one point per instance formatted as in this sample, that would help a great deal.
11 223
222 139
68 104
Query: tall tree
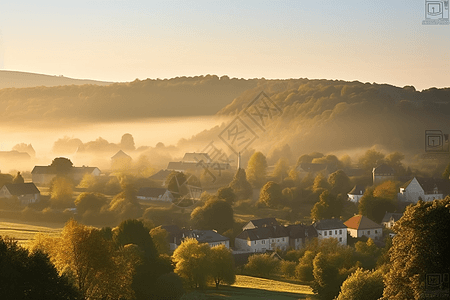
222 265
215 214
374 207
418 250
362 285
18 178
240 186
257 168
339 182
61 192
226 193
271 194
371 159
329 206
281 169
62 165
193 262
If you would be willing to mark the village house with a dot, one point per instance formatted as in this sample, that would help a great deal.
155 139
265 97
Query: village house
197 162
161 177
262 239
299 234
382 173
424 189
259 223
154 194
176 236
331 228
360 225
121 161
356 193
389 219
26 193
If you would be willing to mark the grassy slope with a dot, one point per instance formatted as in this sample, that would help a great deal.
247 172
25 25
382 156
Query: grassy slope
23 232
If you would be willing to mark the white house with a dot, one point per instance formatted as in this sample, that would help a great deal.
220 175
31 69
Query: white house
389 219
415 189
26 193
262 239
207 236
382 173
155 194
356 193
360 225
331 228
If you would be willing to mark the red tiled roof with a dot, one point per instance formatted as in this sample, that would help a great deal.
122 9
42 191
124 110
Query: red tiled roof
361 222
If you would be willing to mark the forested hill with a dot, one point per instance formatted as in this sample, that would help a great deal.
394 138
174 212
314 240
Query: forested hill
177 97
326 115
14 79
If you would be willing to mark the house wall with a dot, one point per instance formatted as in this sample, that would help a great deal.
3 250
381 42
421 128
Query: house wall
243 245
226 243
414 190
380 178
280 243
354 198
29 198
374 233
339 234
4 193
295 243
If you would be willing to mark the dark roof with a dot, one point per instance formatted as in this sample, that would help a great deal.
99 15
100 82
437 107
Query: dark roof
301 231
328 224
18 189
52 170
151 192
179 165
357 190
275 231
120 154
394 216
264 222
383 169
360 222
206 236
429 184
161 175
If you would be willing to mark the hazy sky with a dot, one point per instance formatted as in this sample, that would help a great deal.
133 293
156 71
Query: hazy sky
380 41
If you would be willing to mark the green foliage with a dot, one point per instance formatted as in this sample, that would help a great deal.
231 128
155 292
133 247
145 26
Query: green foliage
133 231
374 207
62 165
271 194
168 287
329 206
287 268
418 249
362 285
193 262
26 275
227 194
90 202
367 253
281 169
222 265
256 169
304 270
371 159
125 204
339 183
240 186
215 214
394 160
320 183
61 192
161 239
262 265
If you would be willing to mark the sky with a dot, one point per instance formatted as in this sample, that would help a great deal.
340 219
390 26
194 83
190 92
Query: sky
380 41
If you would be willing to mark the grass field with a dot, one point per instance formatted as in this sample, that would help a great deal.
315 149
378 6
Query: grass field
247 287
23 232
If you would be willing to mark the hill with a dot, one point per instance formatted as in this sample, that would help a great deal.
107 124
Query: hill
14 79
177 97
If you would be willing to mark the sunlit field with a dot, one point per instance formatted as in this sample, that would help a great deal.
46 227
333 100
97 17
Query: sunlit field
23 232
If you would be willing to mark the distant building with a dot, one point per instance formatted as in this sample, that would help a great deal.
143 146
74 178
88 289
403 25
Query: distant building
360 225
389 219
197 162
121 161
196 157
260 223
161 176
26 193
299 234
331 228
427 189
382 173
356 193
154 194
176 236
262 239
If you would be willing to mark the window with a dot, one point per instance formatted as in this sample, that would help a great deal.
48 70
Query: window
263 241
283 239
376 231
335 232
325 233
273 240
255 242
340 239
331 232
368 232
340 231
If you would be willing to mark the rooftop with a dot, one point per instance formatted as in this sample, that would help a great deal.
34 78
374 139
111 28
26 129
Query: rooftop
360 222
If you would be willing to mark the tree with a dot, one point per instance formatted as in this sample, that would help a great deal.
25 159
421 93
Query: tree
362 285
193 262
329 206
215 214
61 192
90 202
371 159
226 193
339 183
125 204
271 194
373 207
281 169
18 179
161 240
222 265
127 142
320 183
394 160
62 165
133 231
90 261
261 264
386 190
418 249
257 168
240 186
26 275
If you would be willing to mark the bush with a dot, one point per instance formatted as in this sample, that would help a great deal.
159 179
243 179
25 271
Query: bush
262 264
287 268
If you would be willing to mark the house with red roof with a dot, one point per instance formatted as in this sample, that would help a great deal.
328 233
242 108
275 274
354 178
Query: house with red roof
360 225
